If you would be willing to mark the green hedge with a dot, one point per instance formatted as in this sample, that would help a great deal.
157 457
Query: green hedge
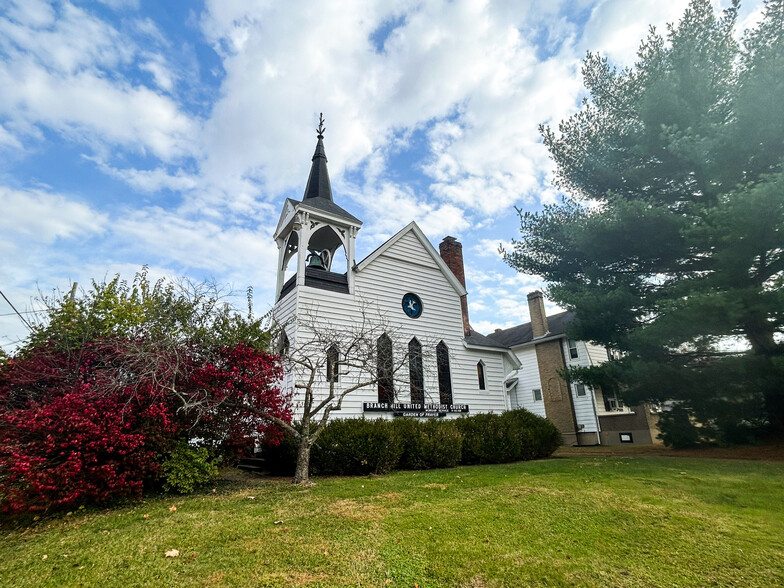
428 444
361 446
356 446
538 437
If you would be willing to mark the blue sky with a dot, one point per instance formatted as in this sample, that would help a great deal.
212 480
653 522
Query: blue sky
169 134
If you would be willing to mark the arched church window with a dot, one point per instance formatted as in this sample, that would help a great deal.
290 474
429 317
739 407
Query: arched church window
415 371
386 388
444 374
333 363
283 344
480 374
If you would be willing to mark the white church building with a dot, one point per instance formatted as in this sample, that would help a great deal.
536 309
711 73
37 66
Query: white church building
430 362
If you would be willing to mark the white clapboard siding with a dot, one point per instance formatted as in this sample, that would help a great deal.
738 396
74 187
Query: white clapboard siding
379 288
407 267
528 380
584 410
282 316
596 353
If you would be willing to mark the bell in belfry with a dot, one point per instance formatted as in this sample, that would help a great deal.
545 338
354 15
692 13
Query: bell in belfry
315 261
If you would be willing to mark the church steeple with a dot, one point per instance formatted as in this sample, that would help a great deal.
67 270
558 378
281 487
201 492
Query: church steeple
313 232
318 182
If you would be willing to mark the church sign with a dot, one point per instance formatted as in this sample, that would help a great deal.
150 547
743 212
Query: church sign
414 409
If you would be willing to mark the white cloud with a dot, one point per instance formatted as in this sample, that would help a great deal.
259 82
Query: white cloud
88 108
32 12
156 65
489 247
8 139
148 28
66 41
44 217
390 207
152 180
616 31
444 58
55 73
198 243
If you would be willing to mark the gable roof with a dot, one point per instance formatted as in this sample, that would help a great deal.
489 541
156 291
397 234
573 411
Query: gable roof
522 334
476 338
326 205
413 228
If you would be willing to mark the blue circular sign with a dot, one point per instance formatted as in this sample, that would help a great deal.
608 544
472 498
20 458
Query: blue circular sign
412 305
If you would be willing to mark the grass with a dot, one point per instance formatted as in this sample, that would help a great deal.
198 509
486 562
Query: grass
577 521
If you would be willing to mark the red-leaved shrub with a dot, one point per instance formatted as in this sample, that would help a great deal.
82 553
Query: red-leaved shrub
89 425
242 387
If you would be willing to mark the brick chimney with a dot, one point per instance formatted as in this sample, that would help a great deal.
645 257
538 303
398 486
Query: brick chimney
538 317
451 251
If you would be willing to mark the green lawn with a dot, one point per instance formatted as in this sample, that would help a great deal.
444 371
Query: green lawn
578 521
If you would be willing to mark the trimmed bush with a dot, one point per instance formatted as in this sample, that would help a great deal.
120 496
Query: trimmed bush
356 446
188 468
429 444
485 440
360 446
512 436
63 443
538 437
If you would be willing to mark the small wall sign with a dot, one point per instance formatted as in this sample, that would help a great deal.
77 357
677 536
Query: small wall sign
414 409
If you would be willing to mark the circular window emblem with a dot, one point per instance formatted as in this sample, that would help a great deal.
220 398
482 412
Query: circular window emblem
412 305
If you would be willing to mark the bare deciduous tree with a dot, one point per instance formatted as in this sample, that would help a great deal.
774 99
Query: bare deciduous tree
326 363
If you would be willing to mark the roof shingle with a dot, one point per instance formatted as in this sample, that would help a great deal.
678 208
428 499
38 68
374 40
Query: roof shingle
521 334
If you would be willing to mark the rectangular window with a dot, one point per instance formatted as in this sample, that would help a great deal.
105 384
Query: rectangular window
537 395
611 402
572 349
580 389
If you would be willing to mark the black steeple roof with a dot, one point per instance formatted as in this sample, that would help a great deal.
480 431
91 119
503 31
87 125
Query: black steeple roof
318 181
318 192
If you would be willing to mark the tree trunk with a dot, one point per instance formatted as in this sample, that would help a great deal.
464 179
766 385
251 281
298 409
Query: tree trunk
303 462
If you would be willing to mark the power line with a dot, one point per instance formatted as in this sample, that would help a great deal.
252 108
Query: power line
19 314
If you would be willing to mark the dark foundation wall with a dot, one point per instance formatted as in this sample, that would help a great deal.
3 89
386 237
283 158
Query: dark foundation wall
640 427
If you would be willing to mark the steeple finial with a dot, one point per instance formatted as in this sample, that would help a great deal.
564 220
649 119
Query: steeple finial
321 128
